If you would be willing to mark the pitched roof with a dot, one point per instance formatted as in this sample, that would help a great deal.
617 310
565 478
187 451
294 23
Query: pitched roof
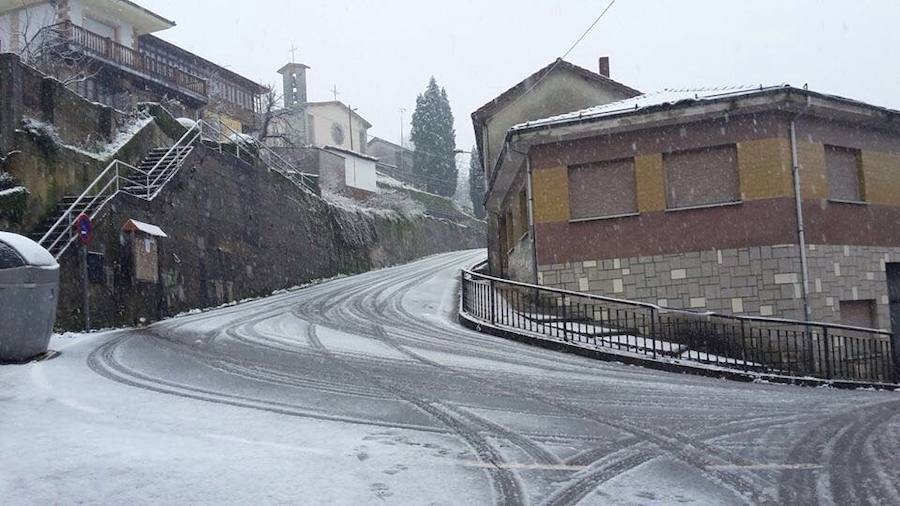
532 80
140 226
664 97
345 151
375 140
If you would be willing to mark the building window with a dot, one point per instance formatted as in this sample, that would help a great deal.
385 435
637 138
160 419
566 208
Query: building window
858 313
602 189
702 177
844 174
337 134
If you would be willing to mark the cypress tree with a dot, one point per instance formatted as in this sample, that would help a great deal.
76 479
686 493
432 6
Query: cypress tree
434 137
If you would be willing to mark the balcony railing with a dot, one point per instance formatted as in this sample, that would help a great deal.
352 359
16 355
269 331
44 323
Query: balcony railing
106 48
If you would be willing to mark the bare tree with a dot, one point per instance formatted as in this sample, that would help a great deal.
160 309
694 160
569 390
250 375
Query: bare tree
277 123
47 45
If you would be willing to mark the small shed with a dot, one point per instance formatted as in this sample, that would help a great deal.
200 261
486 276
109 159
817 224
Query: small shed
143 242
359 170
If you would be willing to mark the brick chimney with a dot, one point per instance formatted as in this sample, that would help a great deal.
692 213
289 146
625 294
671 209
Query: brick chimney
604 66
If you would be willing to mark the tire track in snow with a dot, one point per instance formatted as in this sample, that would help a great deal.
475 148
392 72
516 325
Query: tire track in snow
103 362
506 485
841 441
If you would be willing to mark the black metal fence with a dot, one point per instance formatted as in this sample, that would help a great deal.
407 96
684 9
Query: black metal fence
770 345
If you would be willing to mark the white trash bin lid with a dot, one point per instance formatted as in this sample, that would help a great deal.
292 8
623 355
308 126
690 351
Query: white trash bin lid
29 253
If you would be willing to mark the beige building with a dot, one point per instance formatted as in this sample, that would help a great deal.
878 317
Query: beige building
558 88
303 123
335 124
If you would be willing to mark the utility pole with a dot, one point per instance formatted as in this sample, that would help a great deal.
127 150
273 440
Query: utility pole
350 124
402 112
400 151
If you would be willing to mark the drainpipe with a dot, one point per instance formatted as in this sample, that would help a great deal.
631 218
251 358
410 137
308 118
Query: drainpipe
801 231
531 217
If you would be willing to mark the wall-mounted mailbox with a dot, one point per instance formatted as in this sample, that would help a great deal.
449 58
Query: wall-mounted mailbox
143 239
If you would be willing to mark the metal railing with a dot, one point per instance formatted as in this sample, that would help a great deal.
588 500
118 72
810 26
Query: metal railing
755 344
224 138
99 46
120 177
117 177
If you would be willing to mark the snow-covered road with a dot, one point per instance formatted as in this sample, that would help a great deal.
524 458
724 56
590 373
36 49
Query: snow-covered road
365 390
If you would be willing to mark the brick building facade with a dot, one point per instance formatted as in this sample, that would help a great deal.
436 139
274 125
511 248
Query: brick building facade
688 199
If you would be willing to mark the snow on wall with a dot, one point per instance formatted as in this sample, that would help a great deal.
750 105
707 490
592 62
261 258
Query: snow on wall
100 151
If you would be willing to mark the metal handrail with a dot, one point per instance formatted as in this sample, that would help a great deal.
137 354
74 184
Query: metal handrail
663 309
77 201
260 146
155 178
179 144
93 214
107 179
778 346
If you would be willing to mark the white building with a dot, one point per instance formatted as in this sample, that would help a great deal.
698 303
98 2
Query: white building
329 123
359 171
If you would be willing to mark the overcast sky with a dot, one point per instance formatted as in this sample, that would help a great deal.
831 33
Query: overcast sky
380 54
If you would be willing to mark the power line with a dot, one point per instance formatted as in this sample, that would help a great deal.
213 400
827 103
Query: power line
571 48
586 32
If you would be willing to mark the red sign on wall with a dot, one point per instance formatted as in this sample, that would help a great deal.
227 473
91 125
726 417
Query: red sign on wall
84 228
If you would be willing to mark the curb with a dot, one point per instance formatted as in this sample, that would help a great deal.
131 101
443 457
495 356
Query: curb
662 365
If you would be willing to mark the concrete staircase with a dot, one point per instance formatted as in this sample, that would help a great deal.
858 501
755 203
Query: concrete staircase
145 181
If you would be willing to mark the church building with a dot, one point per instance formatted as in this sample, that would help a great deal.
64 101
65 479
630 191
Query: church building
328 123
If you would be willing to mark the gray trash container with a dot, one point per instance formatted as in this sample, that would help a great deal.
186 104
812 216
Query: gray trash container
29 288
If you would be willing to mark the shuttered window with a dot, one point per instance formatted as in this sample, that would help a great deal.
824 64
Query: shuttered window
702 177
843 169
602 189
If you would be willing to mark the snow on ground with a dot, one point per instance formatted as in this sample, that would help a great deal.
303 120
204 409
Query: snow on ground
364 390
72 436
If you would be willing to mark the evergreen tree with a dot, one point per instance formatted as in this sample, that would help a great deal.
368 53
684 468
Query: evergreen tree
476 183
434 159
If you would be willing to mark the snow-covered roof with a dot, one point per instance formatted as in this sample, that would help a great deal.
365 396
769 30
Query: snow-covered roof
30 251
647 100
344 151
135 225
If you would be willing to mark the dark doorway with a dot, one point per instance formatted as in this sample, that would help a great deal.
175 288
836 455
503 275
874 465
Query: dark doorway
893 282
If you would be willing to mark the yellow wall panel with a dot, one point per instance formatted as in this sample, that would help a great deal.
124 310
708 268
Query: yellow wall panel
551 195
651 183
881 177
765 169
813 179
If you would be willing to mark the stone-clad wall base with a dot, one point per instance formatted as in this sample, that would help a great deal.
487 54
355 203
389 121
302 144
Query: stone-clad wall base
760 281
